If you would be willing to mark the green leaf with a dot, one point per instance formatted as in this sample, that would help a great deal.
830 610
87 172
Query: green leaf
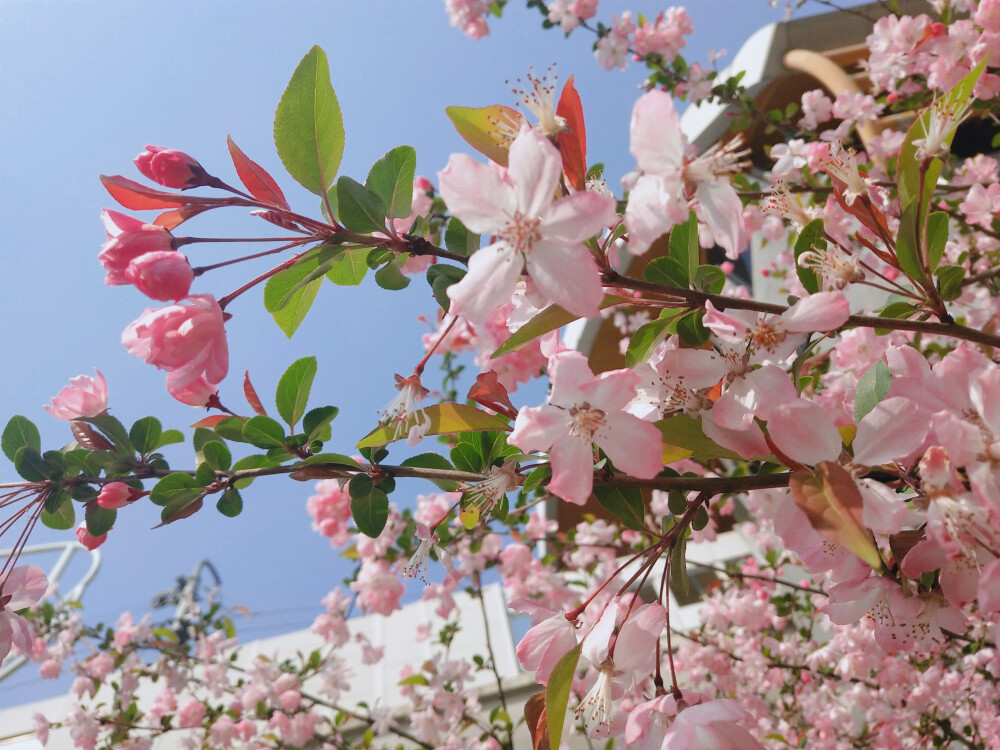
536 477
624 503
175 487
369 505
684 432
58 512
217 455
308 126
486 128
691 329
872 389
812 236
949 281
20 432
145 435
391 276
937 237
288 295
445 419
230 504
349 267
908 240
391 179
549 319
293 390
360 209
710 279
330 458
264 432
231 428
315 422
255 461
557 694
684 246
667 272
441 276
31 466
648 337
458 239
100 520
169 437
434 461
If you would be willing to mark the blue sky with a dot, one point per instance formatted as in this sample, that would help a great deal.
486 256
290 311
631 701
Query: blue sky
84 86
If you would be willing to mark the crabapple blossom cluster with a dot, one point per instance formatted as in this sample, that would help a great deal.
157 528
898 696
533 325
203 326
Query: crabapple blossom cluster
848 428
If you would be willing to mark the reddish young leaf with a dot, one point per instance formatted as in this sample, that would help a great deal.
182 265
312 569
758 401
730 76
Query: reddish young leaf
255 178
88 437
210 421
573 142
138 197
252 398
534 717
173 219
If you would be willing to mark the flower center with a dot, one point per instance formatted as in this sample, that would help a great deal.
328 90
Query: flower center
766 337
585 421
521 233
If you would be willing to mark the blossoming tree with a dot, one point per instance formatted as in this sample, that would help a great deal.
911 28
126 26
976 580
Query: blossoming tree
863 443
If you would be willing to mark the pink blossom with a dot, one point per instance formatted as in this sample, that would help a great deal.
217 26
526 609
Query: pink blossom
550 637
659 199
713 725
612 50
981 205
87 539
534 232
128 238
816 109
83 397
170 168
584 409
378 588
22 587
162 275
191 714
187 339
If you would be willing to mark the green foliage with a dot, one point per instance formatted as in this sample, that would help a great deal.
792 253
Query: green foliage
872 389
57 511
557 694
434 461
624 503
648 337
230 504
316 423
458 239
264 432
360 209
145 435
667 271
100 520
684 246
391 179
289 294
20 432
812 237
369 505
349 267
441 276
293 390
308 126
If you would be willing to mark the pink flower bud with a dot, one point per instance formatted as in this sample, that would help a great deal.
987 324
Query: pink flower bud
115 495
170 168
87 539
83 397
163 275
187 339
128 238
423 184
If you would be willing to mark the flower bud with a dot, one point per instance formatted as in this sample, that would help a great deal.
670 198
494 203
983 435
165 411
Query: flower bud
115 495
128 238
164 275
171 168
87 539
